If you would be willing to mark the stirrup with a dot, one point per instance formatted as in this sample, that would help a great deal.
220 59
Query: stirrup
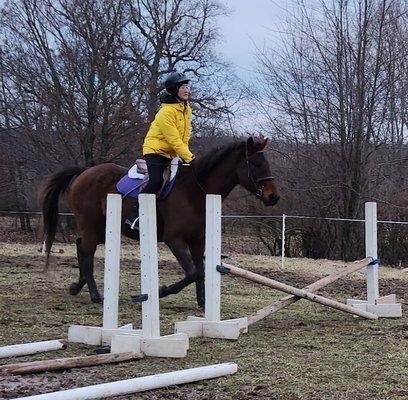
133 225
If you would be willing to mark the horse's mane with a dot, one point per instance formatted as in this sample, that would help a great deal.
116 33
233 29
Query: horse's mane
209 161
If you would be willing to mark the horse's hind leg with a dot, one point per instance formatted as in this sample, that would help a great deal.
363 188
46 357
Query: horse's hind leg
86 251
76 287
197 252
180 250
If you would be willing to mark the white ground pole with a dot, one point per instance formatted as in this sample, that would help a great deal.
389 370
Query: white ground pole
212 325
141 384
384 306
31 348
147 340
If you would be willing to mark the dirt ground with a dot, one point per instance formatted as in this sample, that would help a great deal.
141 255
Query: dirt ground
303 352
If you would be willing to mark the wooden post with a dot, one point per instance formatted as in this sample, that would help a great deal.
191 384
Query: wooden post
251 276
212 258
125 339
112 261
212 325
371 251
149 265
385 306
288 300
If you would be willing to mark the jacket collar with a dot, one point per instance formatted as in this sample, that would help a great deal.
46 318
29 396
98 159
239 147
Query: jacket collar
178 106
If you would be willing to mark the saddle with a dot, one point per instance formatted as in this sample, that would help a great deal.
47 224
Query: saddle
137 178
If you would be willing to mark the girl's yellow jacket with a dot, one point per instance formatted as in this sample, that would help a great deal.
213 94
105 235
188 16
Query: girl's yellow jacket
170 132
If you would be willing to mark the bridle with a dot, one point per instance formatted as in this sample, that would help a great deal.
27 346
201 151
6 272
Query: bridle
259 188
256 181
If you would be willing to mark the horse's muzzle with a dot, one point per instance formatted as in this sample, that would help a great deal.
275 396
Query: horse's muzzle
272 199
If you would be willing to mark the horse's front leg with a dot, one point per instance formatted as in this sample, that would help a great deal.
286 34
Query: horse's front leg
182 253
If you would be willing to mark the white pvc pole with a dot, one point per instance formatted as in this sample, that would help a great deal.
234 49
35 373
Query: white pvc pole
212 258
112 261
149 265
371 251
283 238
140 384
31 348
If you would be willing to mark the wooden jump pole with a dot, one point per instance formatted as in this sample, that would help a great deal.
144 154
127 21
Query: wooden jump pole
67 363
251 276
321 283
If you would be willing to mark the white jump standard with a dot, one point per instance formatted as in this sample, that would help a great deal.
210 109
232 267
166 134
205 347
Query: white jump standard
211 325
147 340
385 306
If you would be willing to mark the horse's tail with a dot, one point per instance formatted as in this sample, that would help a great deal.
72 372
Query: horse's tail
56 185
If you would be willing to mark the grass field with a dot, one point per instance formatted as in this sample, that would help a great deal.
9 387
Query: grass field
303 352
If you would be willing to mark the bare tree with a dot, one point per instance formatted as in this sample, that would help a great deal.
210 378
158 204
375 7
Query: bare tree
179 35
328 94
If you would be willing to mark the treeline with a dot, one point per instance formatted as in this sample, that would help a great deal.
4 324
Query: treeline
79 82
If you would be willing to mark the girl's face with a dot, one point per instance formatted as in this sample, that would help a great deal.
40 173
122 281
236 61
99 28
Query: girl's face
184 92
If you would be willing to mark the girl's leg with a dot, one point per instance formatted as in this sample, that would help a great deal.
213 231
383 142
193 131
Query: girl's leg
155 167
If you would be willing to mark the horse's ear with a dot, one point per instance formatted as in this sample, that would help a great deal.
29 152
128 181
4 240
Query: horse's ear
256 145
250 144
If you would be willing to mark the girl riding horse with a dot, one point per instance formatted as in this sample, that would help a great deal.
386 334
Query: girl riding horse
180 217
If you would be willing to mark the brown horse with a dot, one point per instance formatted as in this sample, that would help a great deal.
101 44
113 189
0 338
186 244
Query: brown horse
180 217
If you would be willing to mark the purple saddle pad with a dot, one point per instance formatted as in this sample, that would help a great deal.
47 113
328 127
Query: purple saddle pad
131 187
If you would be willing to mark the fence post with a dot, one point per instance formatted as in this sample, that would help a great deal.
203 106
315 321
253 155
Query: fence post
283 238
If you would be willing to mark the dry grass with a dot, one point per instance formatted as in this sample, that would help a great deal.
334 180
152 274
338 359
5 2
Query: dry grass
304 352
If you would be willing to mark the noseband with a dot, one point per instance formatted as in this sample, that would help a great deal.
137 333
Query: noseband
256 181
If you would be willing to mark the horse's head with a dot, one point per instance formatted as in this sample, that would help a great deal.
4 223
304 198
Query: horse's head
254 173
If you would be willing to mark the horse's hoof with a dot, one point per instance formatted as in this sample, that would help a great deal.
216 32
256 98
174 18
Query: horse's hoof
163 291
73 289
201 304
96 299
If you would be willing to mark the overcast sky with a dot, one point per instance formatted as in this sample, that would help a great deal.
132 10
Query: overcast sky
251 24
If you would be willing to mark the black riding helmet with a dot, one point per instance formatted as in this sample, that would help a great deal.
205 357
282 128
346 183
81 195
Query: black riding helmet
173 82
